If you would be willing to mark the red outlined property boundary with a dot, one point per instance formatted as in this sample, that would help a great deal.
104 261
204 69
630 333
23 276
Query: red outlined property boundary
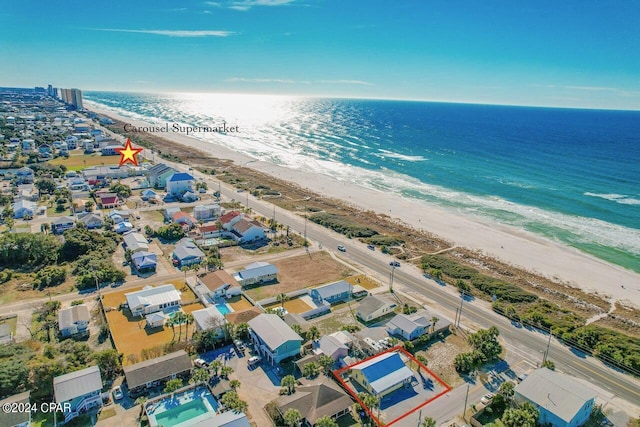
338 376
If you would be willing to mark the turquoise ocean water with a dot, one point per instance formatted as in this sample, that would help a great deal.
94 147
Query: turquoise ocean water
569 175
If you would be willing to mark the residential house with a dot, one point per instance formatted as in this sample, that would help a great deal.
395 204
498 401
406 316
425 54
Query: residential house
151 299
315 401
561 400
61 224
123 227
90 220
136 242
111 148
28 145
229 219
148 194
73 320
158 175
209 318
187 252
170 212
107 200
156 320
144 262
374 307
274 339
25 175
219 283
16 418
28 192
331 347
383 374
209 230
332 292
184 219
257 272
72 142
78 391
206 212
244 316
179 183
154 372
409 326
23 208
248 231
120 215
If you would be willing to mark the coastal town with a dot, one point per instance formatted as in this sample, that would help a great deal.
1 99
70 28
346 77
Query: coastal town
163 293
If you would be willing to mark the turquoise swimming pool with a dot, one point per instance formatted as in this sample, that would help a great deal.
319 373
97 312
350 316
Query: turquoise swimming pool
182 413
183 409
223 309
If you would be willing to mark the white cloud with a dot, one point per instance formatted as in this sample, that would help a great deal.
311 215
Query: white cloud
248 80
172 33
248 4
346 82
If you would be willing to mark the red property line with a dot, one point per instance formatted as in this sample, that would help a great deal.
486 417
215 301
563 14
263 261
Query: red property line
338 377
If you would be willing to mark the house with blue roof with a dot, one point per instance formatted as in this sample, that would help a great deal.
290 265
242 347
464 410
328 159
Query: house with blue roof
148 194
332 292
144 262
180 183
383 374
187 252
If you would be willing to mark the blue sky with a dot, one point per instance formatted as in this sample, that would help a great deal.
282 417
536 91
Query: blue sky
556 53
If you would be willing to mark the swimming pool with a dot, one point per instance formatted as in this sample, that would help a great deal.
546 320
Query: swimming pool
183 409
182 413
223 309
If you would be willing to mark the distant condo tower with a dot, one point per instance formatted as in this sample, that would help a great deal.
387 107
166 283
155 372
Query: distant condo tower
52 91
72 97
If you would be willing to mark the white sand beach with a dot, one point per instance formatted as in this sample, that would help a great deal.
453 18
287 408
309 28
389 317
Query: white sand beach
511 245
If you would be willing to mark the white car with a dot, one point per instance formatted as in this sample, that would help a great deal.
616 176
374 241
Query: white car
487 398
342 248
117 393
200 363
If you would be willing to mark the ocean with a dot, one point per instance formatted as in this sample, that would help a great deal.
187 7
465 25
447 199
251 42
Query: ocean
569 175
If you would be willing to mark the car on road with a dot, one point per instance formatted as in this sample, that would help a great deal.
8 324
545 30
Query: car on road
117 393
487 398
342 248
395 264
371 247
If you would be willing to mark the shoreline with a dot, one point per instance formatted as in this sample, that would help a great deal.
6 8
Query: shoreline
518 248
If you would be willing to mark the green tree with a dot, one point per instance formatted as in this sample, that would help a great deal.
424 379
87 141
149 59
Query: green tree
188 320
326 422
199 376
428 422
325 362
282 298
422 359
435 273
110 363
463 286
292 417
310 370
234 384
45 185
225 371
171 324
232 401
313 333
173 385
525 416
549 365
434 322
124 191
214 367
408 345
288 383
171 232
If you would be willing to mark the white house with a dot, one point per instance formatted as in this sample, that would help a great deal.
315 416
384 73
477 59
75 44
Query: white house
409 326
209 318
179 183
249 230
78 391
149 299
73 320
257 272
375 306
23 208
156 320
206 212
136 242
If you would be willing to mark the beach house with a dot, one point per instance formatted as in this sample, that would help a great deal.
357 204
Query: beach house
150 299
24 175
206 212
248 231
332 292
179 183
274 339
374 307
186 253
61 224
90 220
73 320
229 219
158 175
561 400
157 371
330 346
383 374
144 262
257 272
209 318
78 391
136 242
219 284
408 326
24 208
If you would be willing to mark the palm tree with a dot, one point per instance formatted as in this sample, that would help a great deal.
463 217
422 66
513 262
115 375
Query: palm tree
225 371
215 366
141 401
179 318
234 384
282 298
326 362
45 227
423 361
292 417
434 321
326 422
289 383
310 370
313 333
428 422
169 322
188 318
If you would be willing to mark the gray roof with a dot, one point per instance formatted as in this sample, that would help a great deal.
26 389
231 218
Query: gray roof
225 419
295 319
87 217
152 296
332 289
157 369
206 318
408 323
329 345
8 418
256 272
316 401
136 241
68 316
63 220
272 330
372 303
559 394
76 384
186 248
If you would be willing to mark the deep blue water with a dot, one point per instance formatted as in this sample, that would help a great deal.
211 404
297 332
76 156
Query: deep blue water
570 175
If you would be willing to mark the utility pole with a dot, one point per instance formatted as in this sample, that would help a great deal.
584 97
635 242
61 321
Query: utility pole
546 353
460 312
393 269
464 413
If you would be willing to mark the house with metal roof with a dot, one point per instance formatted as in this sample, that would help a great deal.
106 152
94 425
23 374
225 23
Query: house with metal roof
15 418
156 320
144 262
409 326
61 224
179 183
374 307
23 208
274 339
73 320
151 299
90 220
187 252
136 242
332 292
158 175
78 391
153 372
331 347
560 399
257 272
209 318
315 401
383 374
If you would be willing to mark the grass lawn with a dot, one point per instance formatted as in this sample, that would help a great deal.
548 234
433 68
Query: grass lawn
153 215
77 162
360 279
295 305
51 212
239 303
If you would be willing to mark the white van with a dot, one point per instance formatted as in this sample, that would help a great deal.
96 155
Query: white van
254 361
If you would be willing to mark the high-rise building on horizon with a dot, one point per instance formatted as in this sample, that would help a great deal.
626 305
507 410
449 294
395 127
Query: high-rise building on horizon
72 97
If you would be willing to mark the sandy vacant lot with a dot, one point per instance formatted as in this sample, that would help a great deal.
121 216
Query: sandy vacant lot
301 272
295 305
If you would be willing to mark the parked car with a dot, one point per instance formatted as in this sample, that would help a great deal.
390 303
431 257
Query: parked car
487 398
371 247
395 264
239 344
117 393
342 248
200 363
254 361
